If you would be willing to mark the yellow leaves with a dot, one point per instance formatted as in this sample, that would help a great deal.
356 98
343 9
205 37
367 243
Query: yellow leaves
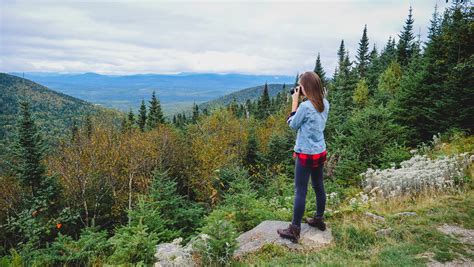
216 141
112 165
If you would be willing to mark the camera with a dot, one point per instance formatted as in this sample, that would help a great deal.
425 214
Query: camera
292 90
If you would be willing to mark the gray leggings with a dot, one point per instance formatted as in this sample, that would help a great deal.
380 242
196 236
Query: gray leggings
301 188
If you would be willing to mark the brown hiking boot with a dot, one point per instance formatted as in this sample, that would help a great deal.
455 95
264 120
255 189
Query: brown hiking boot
316 221
292 233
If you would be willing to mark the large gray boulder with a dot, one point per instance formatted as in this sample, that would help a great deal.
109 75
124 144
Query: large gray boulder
311 238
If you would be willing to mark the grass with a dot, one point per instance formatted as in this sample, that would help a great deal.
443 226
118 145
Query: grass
355 241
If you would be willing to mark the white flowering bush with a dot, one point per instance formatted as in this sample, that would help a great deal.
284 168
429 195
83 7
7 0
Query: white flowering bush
415 175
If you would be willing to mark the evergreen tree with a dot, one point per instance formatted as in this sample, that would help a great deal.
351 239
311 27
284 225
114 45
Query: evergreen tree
252 148
74 131
318 69
341 53
405 42
264 104
142 116
155 115
29 150
389 54
89 127
363 54
437 90
297 79
195 116
131 118
373 70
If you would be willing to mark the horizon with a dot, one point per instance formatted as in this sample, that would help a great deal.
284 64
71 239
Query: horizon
258 38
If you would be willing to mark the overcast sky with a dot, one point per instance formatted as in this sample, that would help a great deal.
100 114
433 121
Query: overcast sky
125 37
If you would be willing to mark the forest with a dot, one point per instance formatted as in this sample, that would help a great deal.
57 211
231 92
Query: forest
108 192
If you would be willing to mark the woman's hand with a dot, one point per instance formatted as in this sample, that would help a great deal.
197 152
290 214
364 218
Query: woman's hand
296 95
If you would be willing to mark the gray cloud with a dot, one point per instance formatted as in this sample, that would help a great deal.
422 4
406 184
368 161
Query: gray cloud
267 37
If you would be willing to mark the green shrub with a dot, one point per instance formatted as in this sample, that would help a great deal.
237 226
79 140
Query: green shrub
133 244
218 242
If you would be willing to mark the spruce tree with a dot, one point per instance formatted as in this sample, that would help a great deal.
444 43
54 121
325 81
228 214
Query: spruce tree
363 54
131 118
155 115
436 93
373 70
89 127
341 53
264 107
195 113
252 148
142 116
29 150
405 42
318 69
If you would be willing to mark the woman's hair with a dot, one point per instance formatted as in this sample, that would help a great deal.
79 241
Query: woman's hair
313 88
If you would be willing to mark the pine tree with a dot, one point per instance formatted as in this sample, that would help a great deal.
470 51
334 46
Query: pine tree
264 107
363 54
142 116
195 113
252 148
30 150
318 69
437 90
89 127
373 70
341 53
131 118
74 131
155 115
405 43
434 28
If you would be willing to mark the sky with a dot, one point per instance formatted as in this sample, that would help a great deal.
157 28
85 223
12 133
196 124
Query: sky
251 37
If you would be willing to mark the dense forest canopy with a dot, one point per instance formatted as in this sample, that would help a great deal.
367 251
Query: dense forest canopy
109 194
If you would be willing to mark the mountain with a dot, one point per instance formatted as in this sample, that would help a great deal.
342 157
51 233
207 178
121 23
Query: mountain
175 91
241 96
53 111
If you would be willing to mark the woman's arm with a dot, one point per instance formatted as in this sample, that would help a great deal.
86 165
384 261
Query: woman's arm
297 115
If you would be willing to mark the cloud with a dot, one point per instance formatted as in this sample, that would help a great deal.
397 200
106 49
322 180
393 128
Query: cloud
267 37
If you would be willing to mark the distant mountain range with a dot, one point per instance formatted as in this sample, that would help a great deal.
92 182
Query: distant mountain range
241 96
53 111
175 91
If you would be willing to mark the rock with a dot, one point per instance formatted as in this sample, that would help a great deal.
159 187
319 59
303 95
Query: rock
374 216
406 213
464 235
173 254
311 238
383 232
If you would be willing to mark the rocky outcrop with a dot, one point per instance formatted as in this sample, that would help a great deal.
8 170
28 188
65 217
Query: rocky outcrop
311 238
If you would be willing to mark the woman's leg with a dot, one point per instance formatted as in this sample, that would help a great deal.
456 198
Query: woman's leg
301 188
317 183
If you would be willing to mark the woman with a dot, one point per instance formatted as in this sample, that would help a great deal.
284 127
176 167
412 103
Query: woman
310 151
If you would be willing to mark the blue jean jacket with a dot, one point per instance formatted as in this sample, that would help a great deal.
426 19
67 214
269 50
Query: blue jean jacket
310 124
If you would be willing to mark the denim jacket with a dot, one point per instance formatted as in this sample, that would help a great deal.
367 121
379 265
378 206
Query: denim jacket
310 124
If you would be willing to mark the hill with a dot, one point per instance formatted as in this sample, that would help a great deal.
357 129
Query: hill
241 96
53 111
175 91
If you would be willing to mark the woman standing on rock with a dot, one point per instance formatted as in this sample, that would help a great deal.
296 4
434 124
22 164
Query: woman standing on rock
310 151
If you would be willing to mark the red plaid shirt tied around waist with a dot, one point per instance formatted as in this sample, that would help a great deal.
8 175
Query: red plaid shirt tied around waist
311 160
